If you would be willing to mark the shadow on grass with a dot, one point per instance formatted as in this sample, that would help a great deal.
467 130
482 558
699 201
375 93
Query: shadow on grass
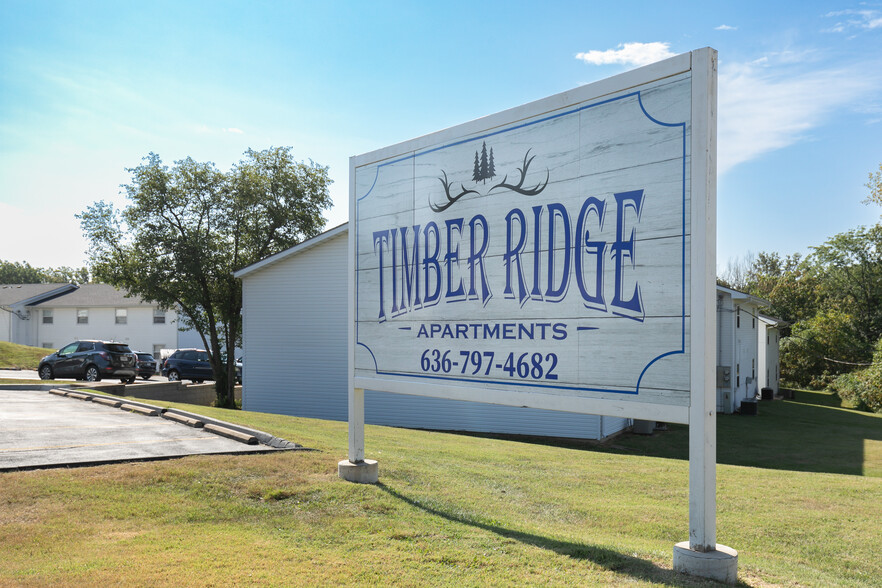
601 556
806 435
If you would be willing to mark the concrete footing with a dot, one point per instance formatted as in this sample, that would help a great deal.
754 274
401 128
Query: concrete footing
720 564
363 472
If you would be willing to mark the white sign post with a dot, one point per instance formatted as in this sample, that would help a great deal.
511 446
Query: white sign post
558 255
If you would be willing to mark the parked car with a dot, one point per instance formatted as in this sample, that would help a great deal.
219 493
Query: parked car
191 364
91 361
146 365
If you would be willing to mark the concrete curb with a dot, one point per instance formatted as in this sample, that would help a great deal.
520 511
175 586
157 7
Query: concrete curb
171 413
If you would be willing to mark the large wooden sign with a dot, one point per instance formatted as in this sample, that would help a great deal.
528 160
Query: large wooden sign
537 257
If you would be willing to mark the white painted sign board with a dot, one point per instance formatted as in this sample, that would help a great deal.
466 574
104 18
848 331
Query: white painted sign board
542 256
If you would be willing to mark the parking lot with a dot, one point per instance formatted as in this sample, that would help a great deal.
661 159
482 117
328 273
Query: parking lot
41 429
33 375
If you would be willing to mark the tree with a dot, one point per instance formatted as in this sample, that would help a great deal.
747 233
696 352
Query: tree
875 186
476 174
491 166
188 227
24 273
19 273
849 268
485 173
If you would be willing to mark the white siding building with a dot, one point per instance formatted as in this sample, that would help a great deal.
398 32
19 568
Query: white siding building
769 352
53 315
295 338
738 331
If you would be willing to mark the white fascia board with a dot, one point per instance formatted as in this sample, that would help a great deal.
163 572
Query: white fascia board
299 248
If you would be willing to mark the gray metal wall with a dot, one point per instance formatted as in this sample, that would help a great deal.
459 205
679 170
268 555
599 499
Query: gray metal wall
295 332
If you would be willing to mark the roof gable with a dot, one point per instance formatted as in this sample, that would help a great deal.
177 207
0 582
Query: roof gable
299 248
29 294
93 295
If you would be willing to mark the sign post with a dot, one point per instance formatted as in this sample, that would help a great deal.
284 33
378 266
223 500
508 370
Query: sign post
559 255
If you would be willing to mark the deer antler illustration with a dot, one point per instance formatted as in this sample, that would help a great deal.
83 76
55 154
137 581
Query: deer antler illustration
519 188
450 199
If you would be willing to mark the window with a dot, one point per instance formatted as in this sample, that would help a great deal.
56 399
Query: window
47 317
158 316
82 316
72 348
157 350
738 317
48 346
86 346
753 368
753 323
122 316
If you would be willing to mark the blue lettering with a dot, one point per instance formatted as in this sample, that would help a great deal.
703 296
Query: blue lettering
557 293
430 262
476 258
512 255
410 290
452 257
381 239
591 300
621 248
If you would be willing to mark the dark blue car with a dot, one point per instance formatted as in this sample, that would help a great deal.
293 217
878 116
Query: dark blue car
191 364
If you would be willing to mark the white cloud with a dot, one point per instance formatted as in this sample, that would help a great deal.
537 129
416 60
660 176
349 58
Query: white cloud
855 19
724 27
234 130
762 109
628 54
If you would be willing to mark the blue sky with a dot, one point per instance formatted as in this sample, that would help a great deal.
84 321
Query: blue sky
89 88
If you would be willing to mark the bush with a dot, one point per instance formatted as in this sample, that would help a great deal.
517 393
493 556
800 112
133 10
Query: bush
863 388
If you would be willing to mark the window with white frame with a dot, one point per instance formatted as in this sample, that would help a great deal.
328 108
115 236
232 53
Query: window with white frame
47 317
157 349
82 316
122 316
158 316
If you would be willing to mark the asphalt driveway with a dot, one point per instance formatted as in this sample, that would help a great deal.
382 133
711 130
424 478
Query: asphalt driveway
39 429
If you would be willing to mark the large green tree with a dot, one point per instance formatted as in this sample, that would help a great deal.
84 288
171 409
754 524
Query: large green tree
188 227
23 273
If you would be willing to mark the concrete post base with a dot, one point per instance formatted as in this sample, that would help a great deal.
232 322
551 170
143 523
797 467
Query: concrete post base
363 472
720 564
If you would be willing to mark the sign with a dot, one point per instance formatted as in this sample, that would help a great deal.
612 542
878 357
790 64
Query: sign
538 257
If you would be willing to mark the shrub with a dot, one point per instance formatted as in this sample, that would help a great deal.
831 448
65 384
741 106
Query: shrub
863 388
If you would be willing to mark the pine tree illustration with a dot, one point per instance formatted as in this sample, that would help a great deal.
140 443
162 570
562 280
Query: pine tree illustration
476 175
491 168
484 166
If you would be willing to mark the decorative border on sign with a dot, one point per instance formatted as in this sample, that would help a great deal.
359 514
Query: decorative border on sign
531 384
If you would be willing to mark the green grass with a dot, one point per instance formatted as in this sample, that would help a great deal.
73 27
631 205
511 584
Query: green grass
456 510
15 356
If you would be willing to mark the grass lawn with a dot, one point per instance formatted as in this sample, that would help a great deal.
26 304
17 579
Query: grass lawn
21 357
457 510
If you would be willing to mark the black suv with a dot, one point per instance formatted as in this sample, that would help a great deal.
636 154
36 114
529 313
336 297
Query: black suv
90 361
146 365
191 364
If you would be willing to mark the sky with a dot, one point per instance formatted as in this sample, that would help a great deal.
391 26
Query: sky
88 89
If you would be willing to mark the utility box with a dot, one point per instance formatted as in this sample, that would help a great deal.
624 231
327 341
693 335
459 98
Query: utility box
724 376
748 407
